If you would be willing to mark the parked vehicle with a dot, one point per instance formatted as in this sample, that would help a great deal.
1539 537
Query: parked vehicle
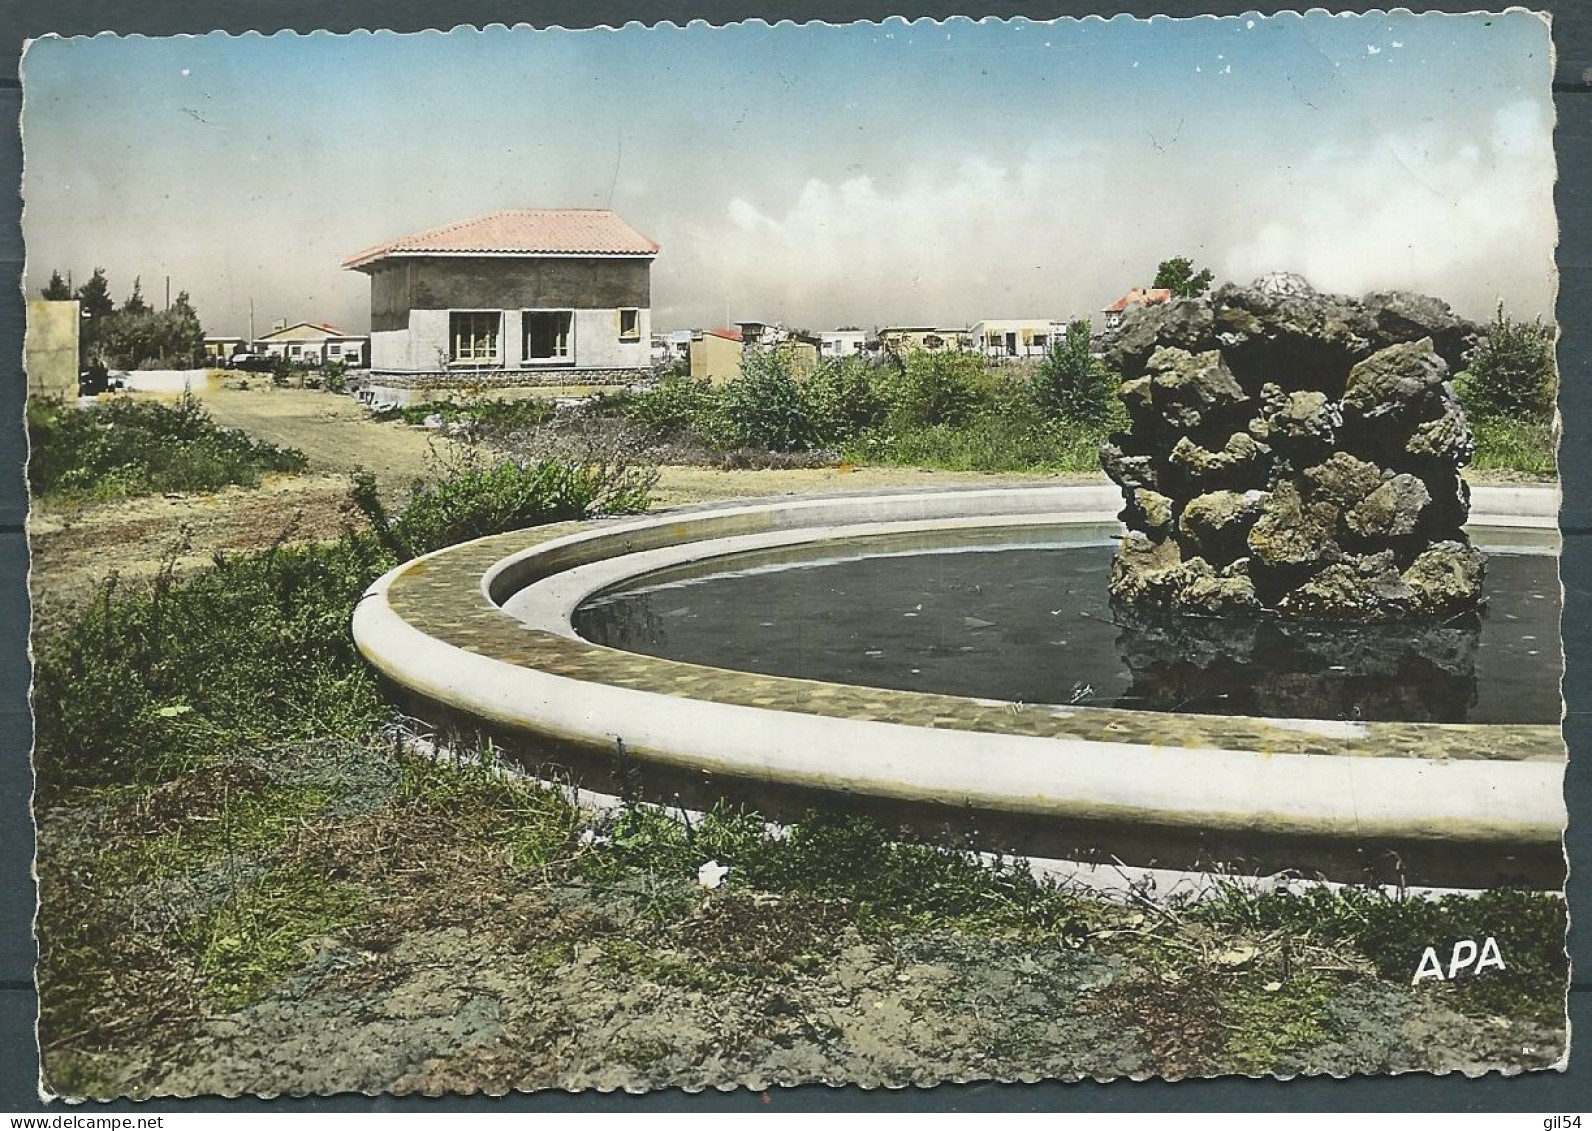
250 362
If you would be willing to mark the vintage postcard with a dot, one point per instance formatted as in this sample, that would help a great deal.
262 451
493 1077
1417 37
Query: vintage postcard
746 556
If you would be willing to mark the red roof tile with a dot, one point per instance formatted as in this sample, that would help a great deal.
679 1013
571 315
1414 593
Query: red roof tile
1140 296
730 335
520 231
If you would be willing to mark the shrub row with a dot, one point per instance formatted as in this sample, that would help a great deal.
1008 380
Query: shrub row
942 409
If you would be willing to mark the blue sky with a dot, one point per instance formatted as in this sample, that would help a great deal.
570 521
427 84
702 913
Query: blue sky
813 174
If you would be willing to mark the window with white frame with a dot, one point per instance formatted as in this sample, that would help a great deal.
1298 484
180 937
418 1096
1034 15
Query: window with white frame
295 351
548 334
473 336
335 349
630 325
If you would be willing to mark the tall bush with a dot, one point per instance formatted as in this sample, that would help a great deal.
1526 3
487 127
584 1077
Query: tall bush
1072 384
764 407
1512 373
476 501
843 400
935 387
132 447
675 406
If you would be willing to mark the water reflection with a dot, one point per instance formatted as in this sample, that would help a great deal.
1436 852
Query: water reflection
1034 624
1407 673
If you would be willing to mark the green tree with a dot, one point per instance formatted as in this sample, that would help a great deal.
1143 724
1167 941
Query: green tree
1071 383
1178 276
95 295
1512 372
135 303
97 306
56 288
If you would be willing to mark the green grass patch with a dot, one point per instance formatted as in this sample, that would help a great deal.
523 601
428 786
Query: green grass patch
536 822
257 938
641 959
1267 1027
125 447
157 679
1525 447
891 884
989 443
1393 932
487 415
247 825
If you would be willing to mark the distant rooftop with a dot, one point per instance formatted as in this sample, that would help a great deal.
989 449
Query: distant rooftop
520 231
290 332
1140 296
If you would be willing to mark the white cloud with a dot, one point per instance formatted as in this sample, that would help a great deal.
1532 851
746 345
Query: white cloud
1465 214
1464 219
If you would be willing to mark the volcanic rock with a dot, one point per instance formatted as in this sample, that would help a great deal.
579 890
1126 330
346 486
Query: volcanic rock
1216 523
1291 531
1343 479
1445 578
1293 455
1187 387
1396 381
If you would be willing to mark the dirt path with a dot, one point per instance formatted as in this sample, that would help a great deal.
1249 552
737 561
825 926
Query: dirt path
335 432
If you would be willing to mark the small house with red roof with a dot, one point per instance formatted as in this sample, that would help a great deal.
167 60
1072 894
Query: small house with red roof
531 296
313 344
1138 296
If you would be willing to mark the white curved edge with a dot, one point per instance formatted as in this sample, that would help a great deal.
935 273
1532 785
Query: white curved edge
1070 503
1310 794
1523 507
550 603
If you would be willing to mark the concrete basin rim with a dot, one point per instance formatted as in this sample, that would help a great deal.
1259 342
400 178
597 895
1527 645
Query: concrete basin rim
1522 798
1303 794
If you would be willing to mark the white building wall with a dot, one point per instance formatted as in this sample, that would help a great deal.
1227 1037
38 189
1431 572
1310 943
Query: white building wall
389 349
426 345
428 340
841 343
597 344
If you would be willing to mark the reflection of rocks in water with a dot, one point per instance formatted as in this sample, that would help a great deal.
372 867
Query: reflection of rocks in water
1280 669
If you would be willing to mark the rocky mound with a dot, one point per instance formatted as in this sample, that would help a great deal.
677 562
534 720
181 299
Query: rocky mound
1293 454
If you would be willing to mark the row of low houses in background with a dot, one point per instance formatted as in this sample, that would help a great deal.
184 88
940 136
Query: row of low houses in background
559 297
715 354
303 343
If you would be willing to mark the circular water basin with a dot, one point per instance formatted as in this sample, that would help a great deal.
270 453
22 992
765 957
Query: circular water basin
480 639
1024 615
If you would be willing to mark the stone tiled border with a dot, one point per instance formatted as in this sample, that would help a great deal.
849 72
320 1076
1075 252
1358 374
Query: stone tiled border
434 627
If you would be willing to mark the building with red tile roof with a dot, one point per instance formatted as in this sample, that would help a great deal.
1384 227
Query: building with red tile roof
530 296
1138 296
519 232
313 343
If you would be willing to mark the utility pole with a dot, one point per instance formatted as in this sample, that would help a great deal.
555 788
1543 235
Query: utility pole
251 322
168 292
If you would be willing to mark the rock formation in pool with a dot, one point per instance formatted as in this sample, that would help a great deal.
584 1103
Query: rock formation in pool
1295 455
